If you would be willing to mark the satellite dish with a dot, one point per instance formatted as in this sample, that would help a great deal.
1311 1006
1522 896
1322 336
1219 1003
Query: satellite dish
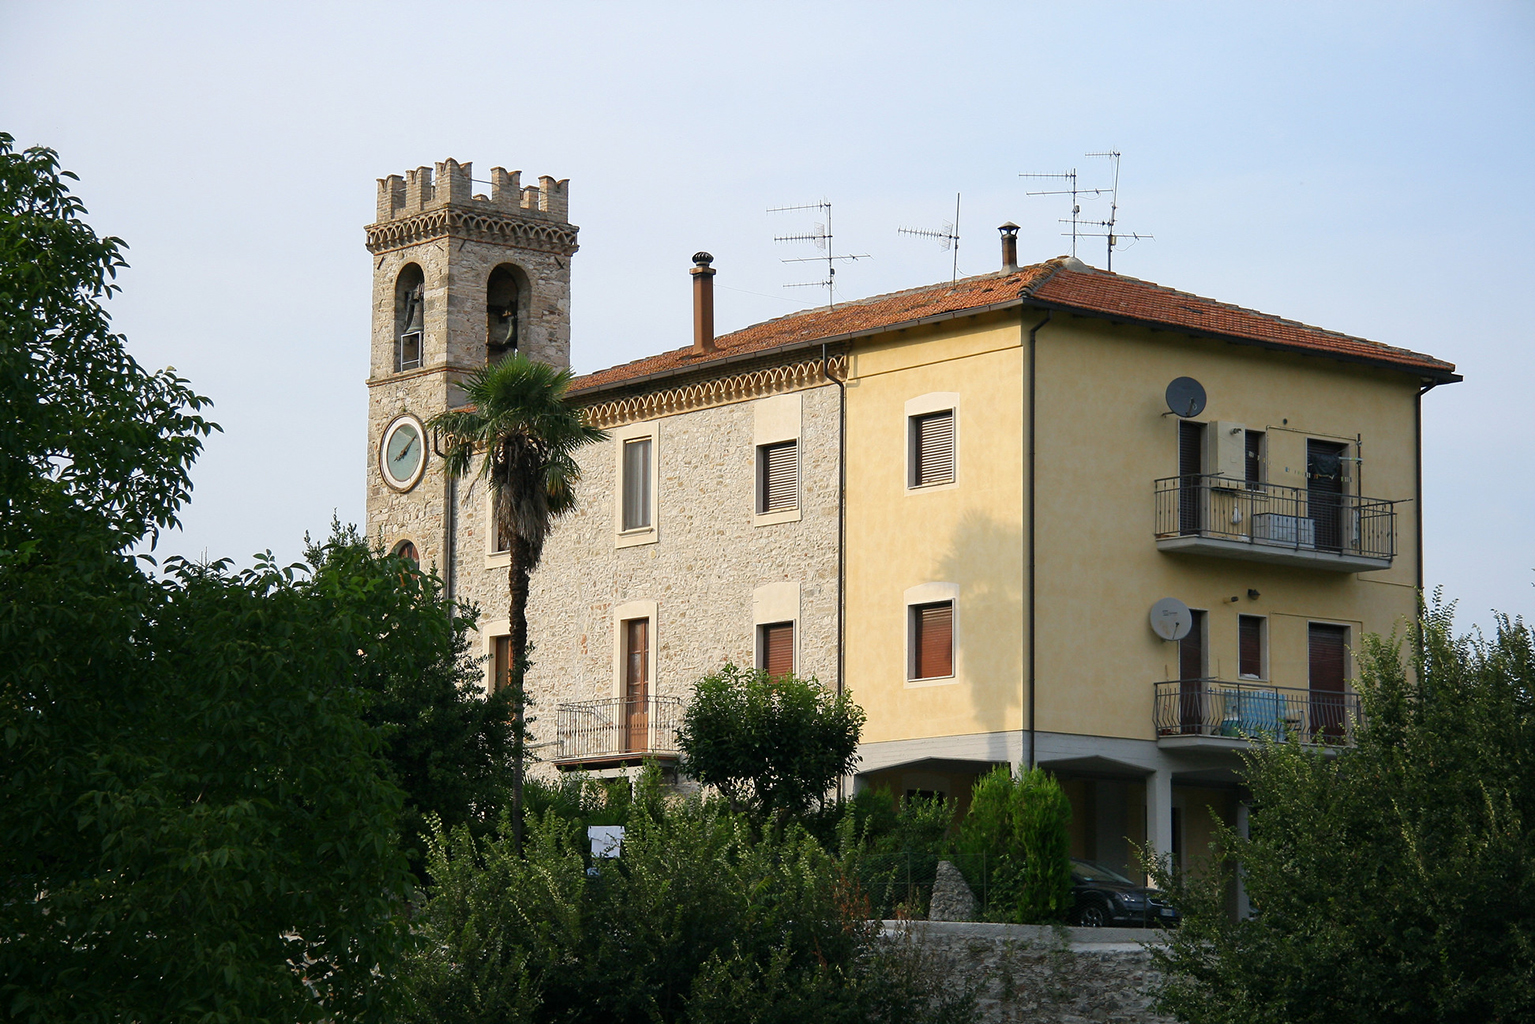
1186 397
1171 619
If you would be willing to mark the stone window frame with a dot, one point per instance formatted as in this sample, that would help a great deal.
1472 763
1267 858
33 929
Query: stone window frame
926 405
629 611
776 420
620 436
927 594
774 603
493 559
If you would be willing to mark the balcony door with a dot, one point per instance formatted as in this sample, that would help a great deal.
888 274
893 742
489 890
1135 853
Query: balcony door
1329 668
636 710
1324 492
1191 678
1191 467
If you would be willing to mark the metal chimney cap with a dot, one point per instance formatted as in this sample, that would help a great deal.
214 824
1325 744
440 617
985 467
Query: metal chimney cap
1008 228
703 259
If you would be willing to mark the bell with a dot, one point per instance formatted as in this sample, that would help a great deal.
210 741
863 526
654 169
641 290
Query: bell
414 323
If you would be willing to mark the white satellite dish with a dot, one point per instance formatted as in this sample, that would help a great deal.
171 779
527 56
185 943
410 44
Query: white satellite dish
1171 619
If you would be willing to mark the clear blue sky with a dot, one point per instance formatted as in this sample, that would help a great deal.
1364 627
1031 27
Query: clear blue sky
1364 167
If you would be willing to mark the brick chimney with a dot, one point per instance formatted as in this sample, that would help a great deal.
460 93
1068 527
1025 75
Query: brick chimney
1009 233
703 304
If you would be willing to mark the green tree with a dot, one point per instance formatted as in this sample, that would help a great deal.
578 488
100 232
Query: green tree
1395 881
525 436
446 743
1013 844
194 818
770 744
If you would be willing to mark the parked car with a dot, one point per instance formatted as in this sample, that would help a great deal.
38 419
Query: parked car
1101 896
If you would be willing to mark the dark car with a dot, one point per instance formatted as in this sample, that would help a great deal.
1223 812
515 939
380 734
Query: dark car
1101 897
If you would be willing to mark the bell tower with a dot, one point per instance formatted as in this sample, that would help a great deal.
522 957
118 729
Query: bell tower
459 279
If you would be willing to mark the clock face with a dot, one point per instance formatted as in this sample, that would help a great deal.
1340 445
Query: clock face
402 454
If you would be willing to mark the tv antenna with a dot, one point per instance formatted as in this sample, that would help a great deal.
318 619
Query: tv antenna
821 238
1108 232
947 239
1074 192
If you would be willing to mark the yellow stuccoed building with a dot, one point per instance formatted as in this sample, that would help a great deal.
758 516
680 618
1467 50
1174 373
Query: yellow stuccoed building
1048 516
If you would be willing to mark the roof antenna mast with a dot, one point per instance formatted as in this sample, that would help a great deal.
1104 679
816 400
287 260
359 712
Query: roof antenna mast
821 238
947 239
1077 224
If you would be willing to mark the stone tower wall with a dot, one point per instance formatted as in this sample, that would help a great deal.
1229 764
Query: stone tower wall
433 218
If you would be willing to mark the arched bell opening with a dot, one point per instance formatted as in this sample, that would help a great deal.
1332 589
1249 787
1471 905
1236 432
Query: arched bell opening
506 295
409 317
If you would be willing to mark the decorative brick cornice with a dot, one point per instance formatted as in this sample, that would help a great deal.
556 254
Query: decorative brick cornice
477 225
704 394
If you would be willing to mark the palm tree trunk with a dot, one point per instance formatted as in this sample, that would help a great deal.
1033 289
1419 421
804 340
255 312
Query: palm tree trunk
517 621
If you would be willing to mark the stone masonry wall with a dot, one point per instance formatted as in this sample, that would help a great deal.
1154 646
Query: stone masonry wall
701 573
1041 975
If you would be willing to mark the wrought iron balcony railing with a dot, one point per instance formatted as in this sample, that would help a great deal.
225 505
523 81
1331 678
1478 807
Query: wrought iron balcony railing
1219 515
616 729
1248 710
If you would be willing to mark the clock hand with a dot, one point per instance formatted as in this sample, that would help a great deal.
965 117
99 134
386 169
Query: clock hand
406 450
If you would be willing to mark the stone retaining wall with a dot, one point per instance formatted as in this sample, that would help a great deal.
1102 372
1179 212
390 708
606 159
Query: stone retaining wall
1044 975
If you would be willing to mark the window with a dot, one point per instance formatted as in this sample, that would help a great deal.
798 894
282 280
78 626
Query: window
1254 459
636 639
500 661
1192 667
1327 650
775 648
636 483
932 640
932 449
777 477
405 549
1250 647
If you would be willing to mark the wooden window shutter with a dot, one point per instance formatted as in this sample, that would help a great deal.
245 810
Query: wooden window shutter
933 641
636 513
778 469
778 649
500 661
1250 646
637 658
933 448
1191 650
1329 656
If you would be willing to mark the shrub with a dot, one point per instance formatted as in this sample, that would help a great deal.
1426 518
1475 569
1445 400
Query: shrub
1013 845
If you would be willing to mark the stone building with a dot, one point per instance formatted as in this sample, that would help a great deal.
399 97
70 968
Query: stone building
1044 516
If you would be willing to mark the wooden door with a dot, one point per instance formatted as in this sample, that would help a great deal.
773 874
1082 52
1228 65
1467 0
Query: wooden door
1191 677
1329 667
1191 467
636 710
1324 492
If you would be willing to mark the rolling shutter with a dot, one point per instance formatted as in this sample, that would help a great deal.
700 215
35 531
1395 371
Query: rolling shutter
934 640
778 649
1328 649
779 469
1250 646
933 445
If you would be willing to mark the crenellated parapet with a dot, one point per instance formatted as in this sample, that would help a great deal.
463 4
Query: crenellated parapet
425 204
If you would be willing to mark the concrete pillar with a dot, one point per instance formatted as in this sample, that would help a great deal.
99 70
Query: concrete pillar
1244 907
1159 814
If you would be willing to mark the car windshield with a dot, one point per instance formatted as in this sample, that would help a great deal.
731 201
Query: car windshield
1090 872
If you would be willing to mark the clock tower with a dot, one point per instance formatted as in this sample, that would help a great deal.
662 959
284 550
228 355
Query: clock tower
459 279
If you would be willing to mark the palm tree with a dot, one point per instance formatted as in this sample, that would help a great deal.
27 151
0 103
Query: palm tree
525 435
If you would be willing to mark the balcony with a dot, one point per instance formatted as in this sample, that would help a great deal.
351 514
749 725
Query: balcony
1216 515
615 732
1212 713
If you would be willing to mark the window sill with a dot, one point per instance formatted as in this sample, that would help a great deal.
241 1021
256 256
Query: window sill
925 488
917 684
788 515
499 560
636 538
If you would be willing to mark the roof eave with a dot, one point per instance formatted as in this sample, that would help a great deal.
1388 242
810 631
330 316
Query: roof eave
1428 373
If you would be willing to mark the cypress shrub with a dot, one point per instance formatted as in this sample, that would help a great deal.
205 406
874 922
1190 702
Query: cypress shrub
1014 847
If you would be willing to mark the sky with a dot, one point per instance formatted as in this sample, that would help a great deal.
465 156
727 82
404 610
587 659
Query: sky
1366 167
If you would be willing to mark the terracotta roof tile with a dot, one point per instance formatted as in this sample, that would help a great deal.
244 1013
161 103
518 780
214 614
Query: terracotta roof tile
1060 283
